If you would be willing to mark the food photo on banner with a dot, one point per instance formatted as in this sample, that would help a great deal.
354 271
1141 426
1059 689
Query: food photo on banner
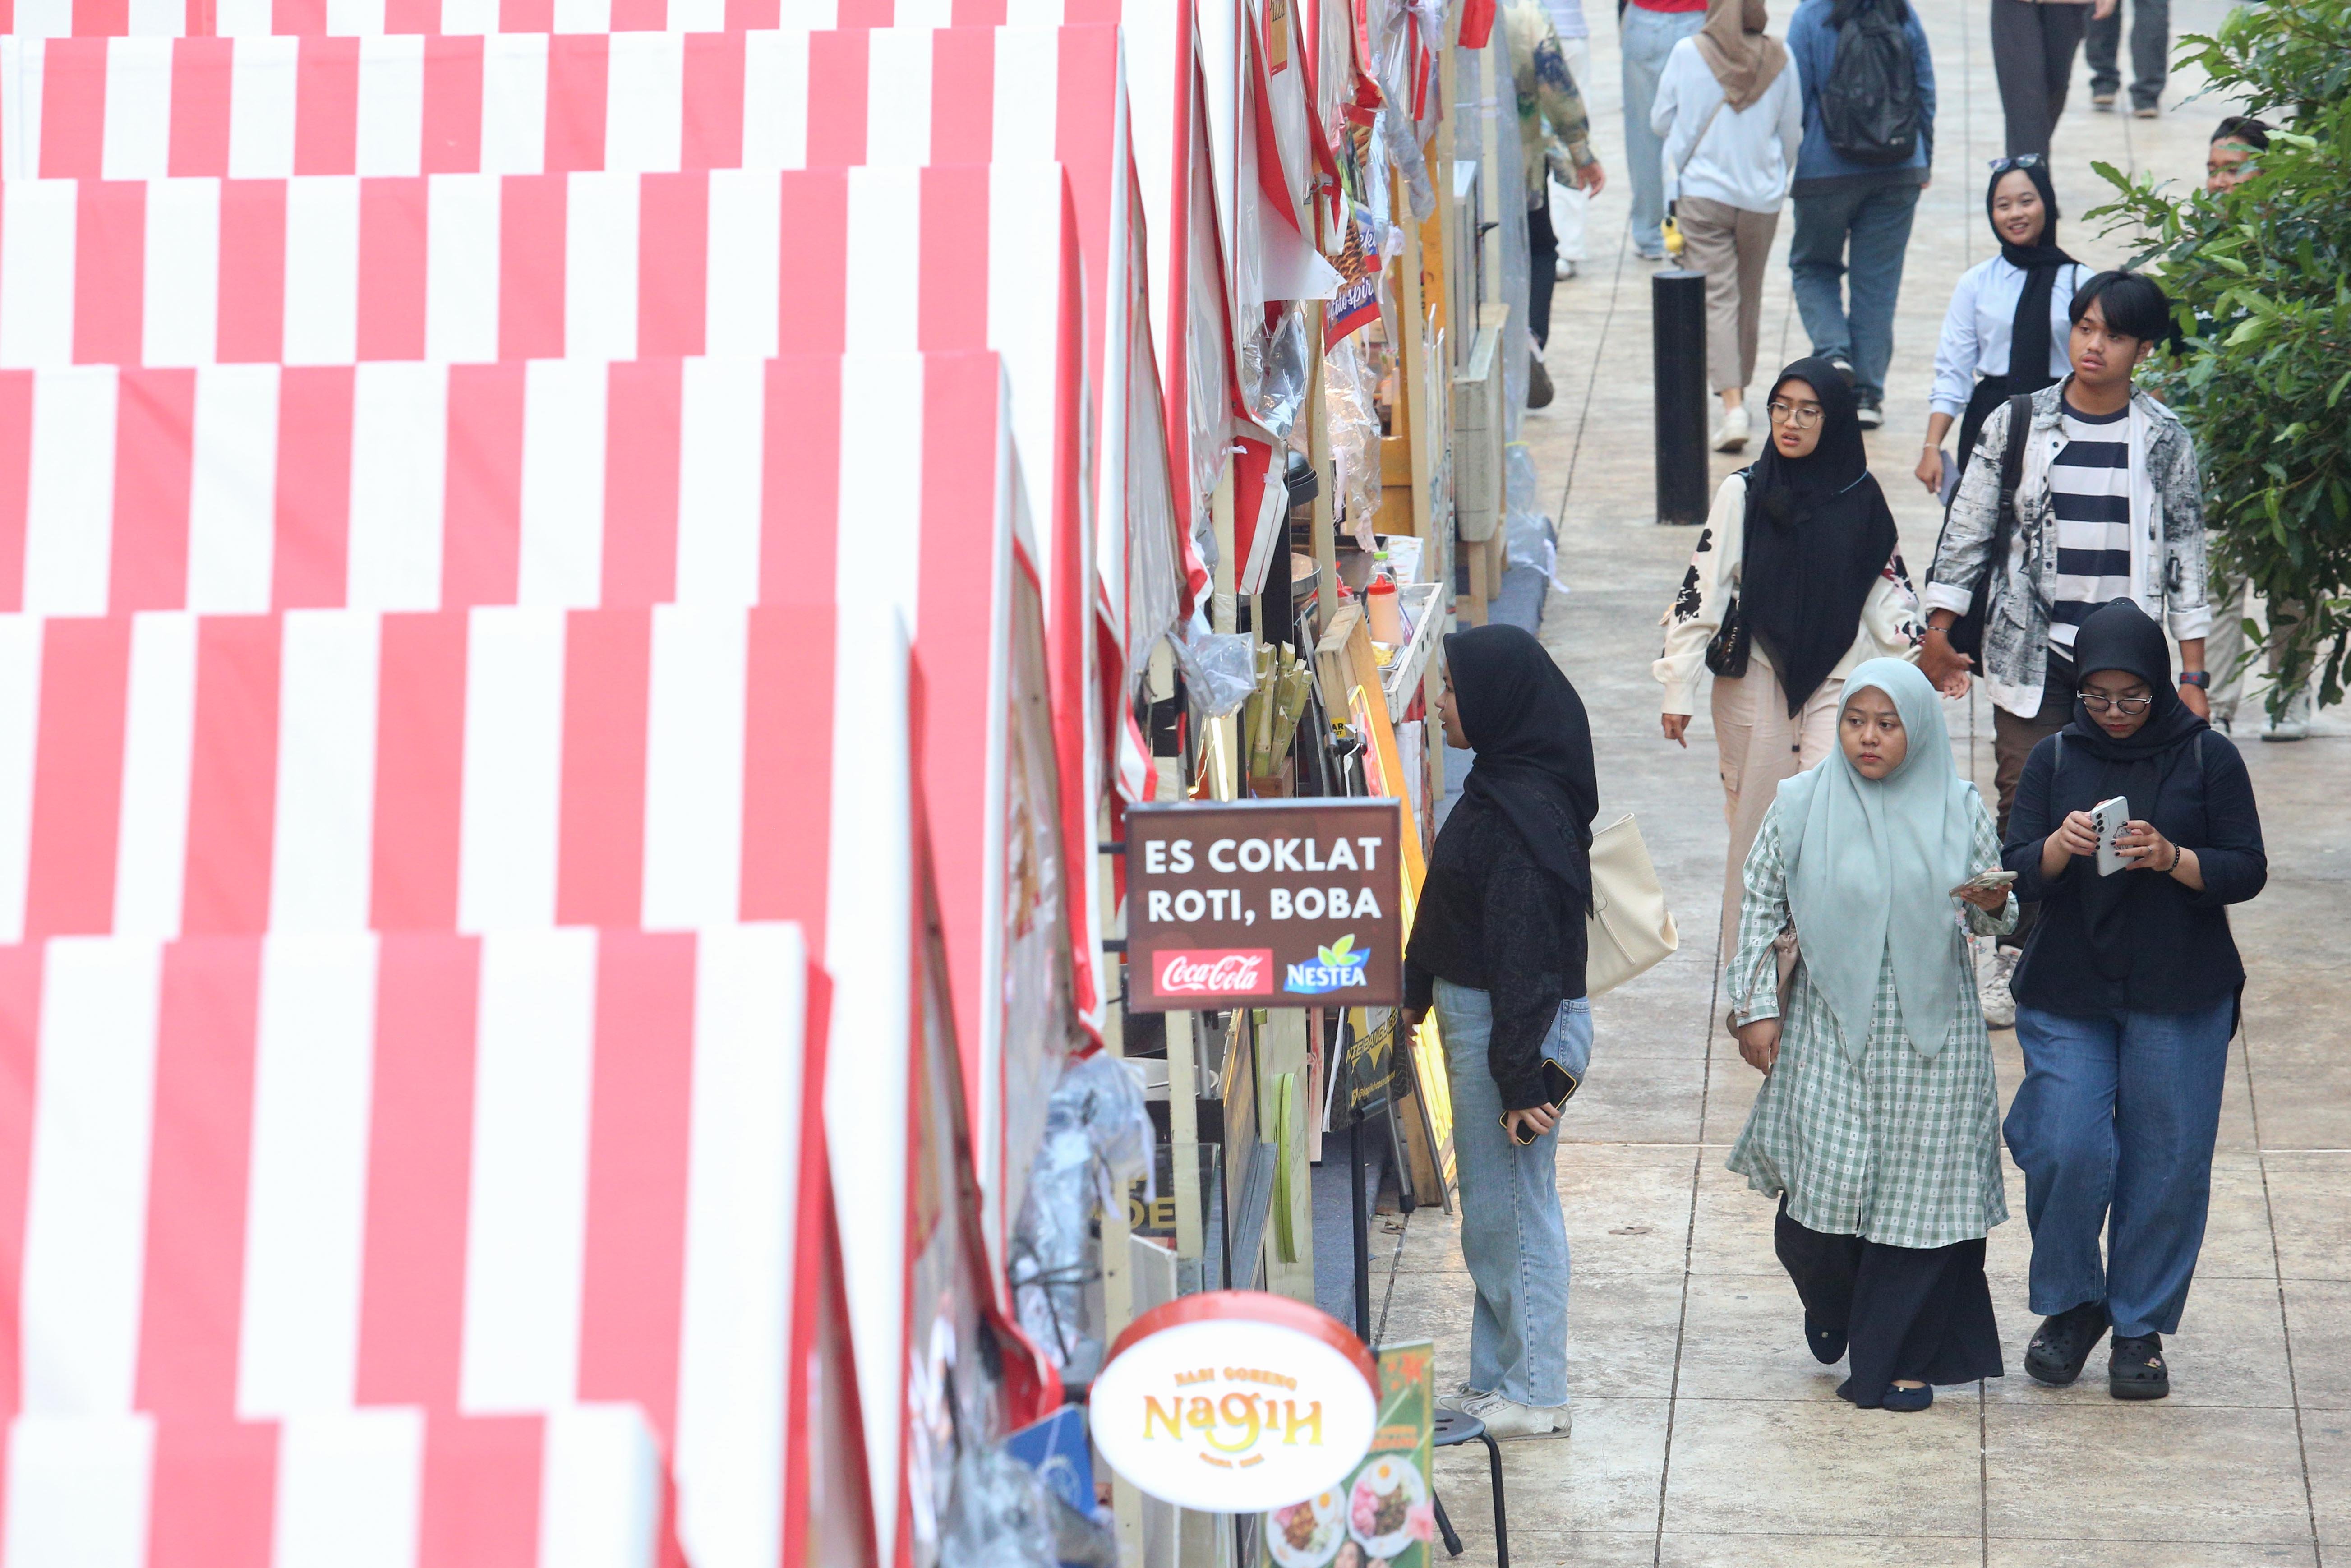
1385 1514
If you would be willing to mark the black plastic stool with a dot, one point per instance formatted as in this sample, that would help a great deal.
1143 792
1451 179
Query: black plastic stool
1453 1428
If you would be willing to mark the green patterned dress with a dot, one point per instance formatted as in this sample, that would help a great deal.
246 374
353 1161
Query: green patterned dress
1900 1149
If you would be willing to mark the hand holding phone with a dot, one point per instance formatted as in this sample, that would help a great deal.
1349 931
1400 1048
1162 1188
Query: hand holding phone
2110 817
1984 882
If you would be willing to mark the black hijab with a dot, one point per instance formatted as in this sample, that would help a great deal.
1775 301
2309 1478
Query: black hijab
2119 635
2028 332
1533 743
1818 535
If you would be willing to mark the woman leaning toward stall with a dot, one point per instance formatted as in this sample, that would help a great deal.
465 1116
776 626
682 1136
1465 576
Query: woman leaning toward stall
2007 330
1498 945
1877 1124
1794 580
2126 997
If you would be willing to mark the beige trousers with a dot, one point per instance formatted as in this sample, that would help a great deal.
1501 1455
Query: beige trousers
1760 745
1731 245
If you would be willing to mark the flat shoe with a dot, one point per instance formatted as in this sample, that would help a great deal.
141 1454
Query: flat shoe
2135 1368
1907 1401
1827 1345
2062 1346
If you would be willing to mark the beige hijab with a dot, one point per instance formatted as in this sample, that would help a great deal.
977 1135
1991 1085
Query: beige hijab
1736 51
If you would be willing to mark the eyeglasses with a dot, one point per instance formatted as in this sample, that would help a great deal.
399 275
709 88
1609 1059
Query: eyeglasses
2097 703
2024 161
1803 415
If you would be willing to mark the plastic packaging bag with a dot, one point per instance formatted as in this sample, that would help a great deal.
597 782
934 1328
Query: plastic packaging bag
1532 538
1219 668
1000 1515
1349 391
1098 1139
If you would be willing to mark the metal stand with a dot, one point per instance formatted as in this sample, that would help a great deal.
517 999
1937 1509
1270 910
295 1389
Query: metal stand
1677 333
1363 1229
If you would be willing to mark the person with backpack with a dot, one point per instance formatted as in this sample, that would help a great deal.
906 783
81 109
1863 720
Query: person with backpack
2126 999
2033 45
2006 331
1730 114
1868 150
2078 494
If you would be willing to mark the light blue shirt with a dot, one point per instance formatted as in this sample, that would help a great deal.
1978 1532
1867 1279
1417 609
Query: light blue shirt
1976 328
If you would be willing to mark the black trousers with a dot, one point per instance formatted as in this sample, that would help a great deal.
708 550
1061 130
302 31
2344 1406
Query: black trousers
1543 261
1922 1313
2032 47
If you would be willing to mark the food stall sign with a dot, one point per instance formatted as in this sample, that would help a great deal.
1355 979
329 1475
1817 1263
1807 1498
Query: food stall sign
1273 902
1234 1402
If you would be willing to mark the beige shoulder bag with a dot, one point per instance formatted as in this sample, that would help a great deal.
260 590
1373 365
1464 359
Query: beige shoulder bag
1630 930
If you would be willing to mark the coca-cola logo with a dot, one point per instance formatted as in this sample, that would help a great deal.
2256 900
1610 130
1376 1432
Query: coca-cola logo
1228 971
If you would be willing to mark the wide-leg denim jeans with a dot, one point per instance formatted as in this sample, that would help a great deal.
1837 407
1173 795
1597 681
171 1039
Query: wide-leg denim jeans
1512 1236
2113 1126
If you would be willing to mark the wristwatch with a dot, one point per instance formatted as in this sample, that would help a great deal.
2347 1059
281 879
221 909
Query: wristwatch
2196 678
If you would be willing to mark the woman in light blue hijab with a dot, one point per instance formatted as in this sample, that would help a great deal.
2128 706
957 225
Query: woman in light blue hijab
1877 1124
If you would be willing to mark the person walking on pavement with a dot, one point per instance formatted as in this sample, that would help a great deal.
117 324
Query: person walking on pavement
1568 199
1647 32
1868 150
1731 116
1796 582
1498 948
1547 95
2006 332
1877 1124
2151 49
2105 505
2234 157
2032 44
2127 999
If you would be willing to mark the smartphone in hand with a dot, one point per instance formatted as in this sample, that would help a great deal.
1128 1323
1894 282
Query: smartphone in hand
1984 882
2111 818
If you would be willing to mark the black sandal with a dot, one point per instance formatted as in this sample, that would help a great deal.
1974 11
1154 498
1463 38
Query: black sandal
2135 1368
2062 1346
1827 1345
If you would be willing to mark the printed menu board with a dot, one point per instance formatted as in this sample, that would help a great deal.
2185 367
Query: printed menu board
1385 1514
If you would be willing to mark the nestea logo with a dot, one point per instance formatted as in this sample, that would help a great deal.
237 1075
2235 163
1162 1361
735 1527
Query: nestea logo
1338 967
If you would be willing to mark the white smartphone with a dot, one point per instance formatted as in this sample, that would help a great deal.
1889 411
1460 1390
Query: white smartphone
2110 818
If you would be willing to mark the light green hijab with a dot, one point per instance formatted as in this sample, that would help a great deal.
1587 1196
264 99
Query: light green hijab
1871 864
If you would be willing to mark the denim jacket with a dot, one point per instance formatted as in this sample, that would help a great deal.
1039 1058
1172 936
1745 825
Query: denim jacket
2167 535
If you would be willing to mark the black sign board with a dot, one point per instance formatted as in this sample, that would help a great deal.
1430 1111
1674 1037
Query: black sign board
1271 903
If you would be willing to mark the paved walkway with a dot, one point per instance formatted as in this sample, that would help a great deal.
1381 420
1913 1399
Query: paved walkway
1704 1432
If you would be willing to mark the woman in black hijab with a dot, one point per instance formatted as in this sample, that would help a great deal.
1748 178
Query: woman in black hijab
2126 997
2006 331
1499 948
1795 580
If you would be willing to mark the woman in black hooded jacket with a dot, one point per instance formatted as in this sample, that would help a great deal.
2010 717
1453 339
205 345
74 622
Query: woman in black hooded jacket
2126 999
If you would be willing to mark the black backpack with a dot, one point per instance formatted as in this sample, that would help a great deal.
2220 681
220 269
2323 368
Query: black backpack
1869 104
1966 634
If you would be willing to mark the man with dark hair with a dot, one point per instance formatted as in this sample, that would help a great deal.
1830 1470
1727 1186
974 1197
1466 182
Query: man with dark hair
2108 506
2237 143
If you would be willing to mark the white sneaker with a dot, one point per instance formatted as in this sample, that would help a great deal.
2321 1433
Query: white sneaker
1732 433
1991 986
1562 270
1462 1397
1505 1419
2294 723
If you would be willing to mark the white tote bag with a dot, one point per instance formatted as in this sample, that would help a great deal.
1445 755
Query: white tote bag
1630 928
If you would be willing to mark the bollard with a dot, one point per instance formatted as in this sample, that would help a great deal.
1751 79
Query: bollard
1677 333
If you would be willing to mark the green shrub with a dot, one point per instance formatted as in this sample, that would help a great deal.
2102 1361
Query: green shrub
2260 280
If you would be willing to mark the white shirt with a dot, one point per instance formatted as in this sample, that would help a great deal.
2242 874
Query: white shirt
1747 155
1976 328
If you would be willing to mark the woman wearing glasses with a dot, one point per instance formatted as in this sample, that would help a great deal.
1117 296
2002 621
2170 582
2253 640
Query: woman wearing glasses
2126 996
2007 330
1794 580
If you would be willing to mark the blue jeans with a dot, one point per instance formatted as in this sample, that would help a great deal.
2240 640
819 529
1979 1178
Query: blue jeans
1647 38
1876 221
2116 1116
1512 1237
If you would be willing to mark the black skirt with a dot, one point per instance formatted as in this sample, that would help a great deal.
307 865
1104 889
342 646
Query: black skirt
1922 1313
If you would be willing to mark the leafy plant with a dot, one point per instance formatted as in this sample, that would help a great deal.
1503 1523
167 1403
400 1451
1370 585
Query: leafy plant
2260 277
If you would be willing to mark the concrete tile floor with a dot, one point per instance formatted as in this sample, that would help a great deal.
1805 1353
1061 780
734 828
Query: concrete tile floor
1705 1433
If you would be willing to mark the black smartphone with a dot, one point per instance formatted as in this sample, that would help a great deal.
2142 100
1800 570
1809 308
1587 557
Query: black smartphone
1559 1088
